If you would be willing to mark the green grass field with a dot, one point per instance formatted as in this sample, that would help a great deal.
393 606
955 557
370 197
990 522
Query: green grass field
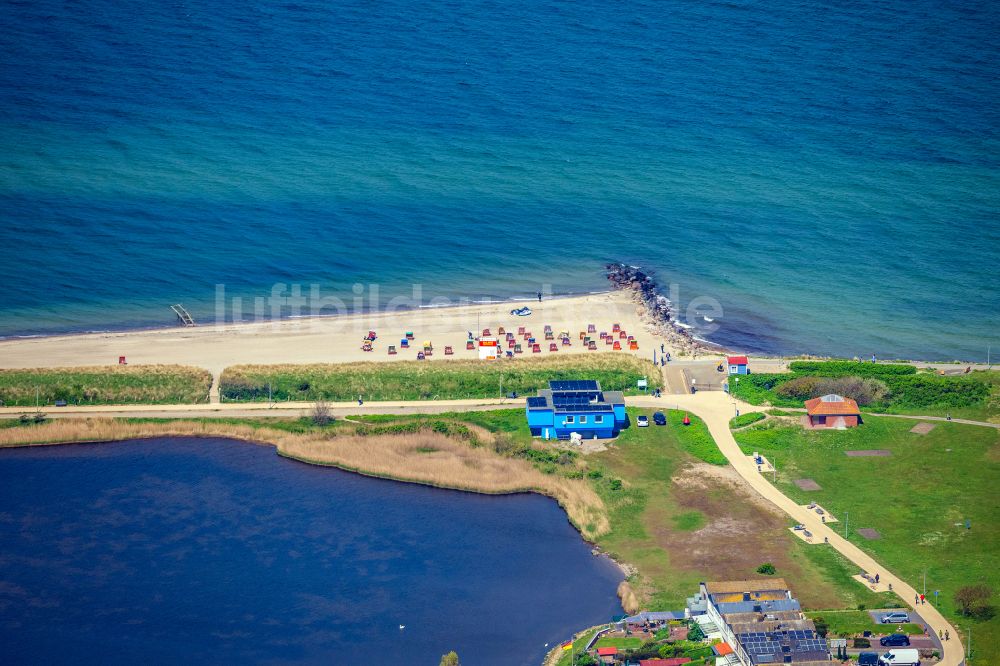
678 535
105 385
918 499
429 380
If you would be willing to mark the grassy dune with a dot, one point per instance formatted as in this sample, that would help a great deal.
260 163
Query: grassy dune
105 385
422 380
462 460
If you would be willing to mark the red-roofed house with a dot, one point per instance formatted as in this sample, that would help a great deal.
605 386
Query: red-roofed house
607 655
738 365
832 411
673 661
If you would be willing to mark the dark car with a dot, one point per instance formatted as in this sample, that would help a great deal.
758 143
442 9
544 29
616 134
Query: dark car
867 659
659 418
895 640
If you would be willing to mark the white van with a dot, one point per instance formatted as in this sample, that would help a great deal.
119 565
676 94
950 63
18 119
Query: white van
900 657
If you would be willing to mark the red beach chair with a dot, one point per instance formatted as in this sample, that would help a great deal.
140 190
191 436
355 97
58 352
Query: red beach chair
536 349
448 351
553 347
486 332
617 346
591 328
616 327
608 340
622 335
633 345
511 343
520 330
470 345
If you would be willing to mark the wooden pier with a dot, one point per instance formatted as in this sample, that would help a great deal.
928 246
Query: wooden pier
182 314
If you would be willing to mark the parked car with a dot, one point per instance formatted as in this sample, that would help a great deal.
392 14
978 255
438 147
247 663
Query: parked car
895 640
895 618
659 418
868 659
642 421
906 657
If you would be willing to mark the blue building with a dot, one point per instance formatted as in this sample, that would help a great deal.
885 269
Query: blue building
738 365
579 406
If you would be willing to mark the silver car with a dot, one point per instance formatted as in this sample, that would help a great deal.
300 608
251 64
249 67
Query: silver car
895 618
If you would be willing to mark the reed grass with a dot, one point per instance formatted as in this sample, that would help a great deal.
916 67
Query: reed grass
423 380
105 385
424 456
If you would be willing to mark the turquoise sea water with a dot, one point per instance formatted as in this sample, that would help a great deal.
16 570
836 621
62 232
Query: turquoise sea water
828 172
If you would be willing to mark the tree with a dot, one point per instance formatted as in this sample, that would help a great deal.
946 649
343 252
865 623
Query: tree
450 659
971 599
321 416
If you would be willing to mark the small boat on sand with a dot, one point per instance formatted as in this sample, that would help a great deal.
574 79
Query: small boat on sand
521 312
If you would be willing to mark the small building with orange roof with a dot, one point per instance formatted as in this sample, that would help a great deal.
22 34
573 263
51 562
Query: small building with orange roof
832 411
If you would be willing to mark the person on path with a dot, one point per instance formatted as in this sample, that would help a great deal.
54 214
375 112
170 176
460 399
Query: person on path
360 401
916 599
922 600
662 349
876 579
539 297
946 636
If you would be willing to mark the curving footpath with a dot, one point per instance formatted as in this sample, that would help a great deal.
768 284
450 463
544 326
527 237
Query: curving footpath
716 409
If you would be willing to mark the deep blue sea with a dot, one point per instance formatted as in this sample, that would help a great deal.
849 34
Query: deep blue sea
180 551
826 171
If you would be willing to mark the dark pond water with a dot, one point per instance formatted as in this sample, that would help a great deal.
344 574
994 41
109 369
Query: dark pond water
179 550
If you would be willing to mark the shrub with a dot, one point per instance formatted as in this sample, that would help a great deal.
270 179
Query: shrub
864 391
767 569
971 599
320 414
855 368
862 643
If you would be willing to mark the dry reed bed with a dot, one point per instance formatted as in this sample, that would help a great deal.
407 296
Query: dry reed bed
425 457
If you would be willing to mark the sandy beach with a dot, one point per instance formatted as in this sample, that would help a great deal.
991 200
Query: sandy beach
338 339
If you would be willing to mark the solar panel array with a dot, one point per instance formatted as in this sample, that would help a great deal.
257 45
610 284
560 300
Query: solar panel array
575 385
768 647
537 402
579 402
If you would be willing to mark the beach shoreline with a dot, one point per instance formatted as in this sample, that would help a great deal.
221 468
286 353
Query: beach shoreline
338 338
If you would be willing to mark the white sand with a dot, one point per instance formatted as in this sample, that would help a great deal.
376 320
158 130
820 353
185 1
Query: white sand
334 339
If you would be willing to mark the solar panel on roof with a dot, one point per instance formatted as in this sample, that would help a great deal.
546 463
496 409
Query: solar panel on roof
574 385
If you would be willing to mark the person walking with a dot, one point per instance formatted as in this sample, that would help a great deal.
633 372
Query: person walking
922 600
360 401
946 636
539 297
916 599
876 579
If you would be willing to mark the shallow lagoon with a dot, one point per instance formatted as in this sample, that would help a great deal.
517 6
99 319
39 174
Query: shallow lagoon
216 550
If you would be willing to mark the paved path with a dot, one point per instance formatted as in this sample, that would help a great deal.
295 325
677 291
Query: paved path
715 408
